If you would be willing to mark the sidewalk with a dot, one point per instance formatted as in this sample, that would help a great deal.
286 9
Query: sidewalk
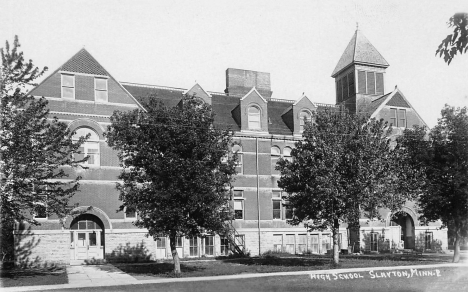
108 275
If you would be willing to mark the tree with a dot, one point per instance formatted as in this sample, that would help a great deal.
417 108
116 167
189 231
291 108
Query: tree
443 154
33 149
346 166
457 42
175 171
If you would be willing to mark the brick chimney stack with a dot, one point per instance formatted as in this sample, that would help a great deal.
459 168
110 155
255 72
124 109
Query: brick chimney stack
239 82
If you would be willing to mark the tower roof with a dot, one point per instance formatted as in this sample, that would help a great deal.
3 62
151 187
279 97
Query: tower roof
359 51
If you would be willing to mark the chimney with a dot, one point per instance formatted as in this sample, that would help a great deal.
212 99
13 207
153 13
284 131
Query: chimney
239 82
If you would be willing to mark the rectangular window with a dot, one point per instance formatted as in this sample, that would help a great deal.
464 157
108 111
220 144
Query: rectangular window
301 243
429 237
276 209
289 243
288 210
161 243
100 89
374 241
277 242
193 243
240 240
238 204
277 202
402 118
240 163
393 117
314 243
40 208
370 83
224 245
68 86
379 83
209 245
326 239
179 242
130 213
362 82
351 89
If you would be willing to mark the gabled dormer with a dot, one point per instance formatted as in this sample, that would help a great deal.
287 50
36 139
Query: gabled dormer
253 112
83 79
359 74
298 114
303 110
199 92
396 110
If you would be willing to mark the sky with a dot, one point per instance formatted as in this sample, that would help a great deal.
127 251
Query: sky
178 43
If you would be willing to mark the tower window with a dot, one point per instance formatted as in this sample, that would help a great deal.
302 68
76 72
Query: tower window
351 90
370 82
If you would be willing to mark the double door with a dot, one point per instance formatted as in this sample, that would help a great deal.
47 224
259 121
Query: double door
87 245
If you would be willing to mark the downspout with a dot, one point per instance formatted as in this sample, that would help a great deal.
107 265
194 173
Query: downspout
258 194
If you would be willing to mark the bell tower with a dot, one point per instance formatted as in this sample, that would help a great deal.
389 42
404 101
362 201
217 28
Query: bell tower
359 74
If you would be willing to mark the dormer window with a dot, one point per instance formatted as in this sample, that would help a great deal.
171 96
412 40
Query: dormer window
100 90
254 118
68 86
304 117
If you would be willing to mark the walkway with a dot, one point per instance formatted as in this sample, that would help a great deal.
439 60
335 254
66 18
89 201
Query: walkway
97 276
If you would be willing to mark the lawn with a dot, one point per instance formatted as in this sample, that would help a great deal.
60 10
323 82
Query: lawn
269 264
448 279
33 276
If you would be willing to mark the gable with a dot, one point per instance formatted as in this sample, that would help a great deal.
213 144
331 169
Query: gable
199 92
86 71
83 62
398 100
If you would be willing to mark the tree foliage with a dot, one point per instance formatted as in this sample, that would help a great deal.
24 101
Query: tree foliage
457 42
443 154
173 170
346 166
33 147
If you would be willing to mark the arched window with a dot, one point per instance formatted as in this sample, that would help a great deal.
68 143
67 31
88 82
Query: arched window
239 164
287 153
275 155
89 148
254 118
304 117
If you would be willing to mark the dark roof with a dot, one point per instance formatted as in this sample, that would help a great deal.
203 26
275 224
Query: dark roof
83 62
359 50
223 106
372 107
276 123
398 100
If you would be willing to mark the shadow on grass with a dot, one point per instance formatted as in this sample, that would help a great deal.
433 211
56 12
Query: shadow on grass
33 276
157 269
278 261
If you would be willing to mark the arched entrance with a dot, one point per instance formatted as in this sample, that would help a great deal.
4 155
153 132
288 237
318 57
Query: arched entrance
87 238
406 224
